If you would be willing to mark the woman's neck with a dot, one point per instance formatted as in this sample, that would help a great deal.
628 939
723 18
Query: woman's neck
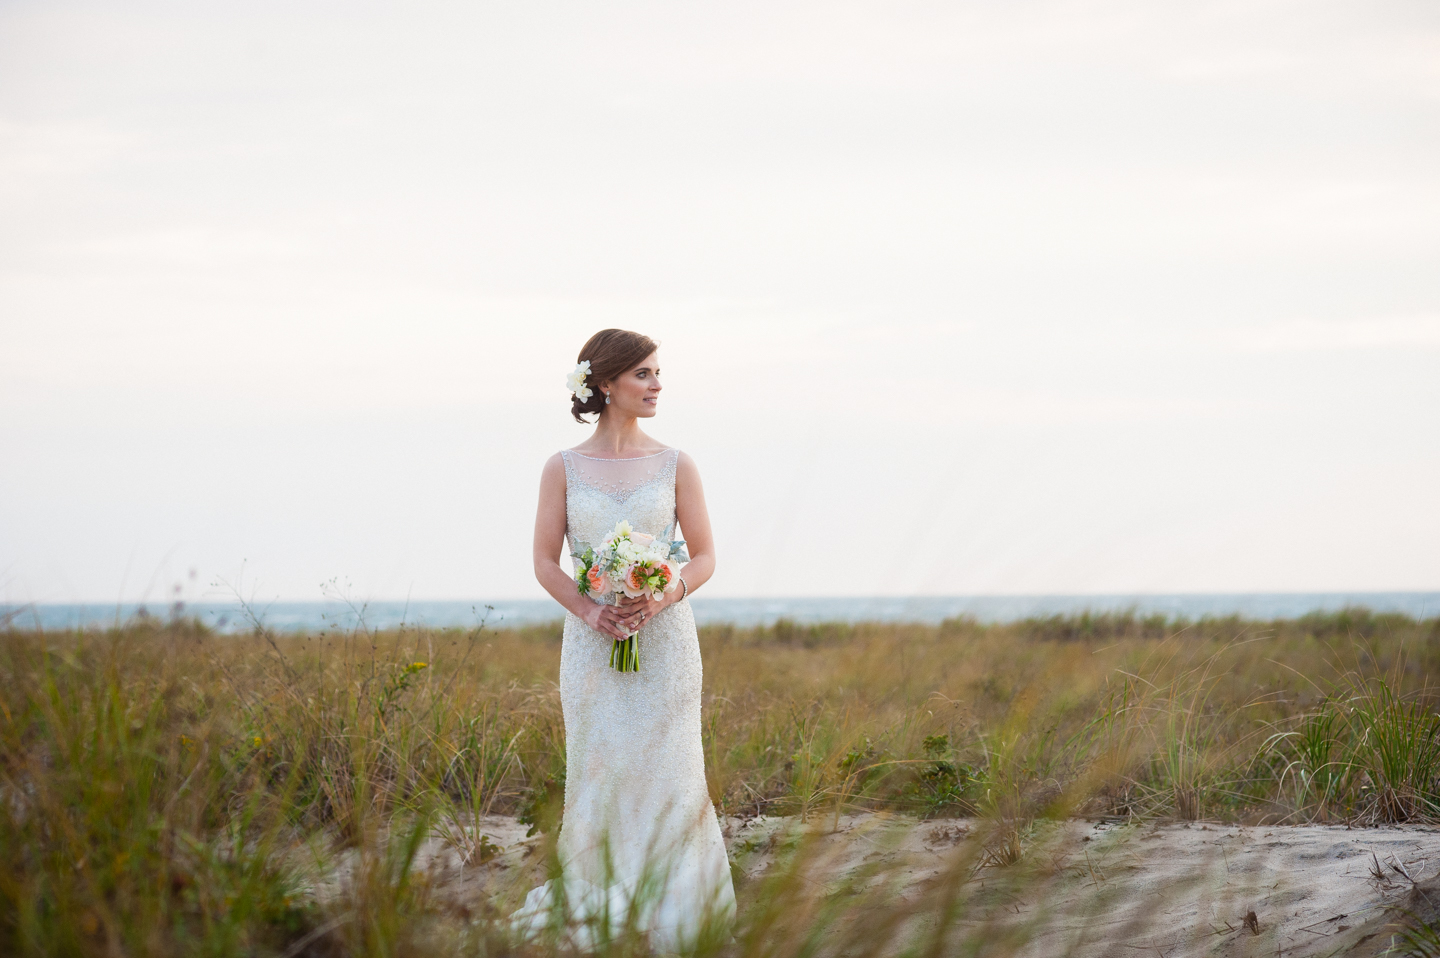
616 436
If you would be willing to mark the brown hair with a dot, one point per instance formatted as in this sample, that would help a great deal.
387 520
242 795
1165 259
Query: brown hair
611 352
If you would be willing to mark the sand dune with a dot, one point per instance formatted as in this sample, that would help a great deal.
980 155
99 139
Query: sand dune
1083 888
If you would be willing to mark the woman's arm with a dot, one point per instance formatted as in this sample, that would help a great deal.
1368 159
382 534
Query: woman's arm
550 543
694 521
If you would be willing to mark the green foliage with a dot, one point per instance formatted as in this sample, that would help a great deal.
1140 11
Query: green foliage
1094 626
1421 940
1395 747
168 791
541 806
118 828
1319 747
946 788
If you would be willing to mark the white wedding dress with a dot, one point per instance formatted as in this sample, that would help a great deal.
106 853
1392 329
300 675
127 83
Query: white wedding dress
639 844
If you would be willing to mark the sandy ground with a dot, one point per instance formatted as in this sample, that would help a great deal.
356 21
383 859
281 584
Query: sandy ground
1103 889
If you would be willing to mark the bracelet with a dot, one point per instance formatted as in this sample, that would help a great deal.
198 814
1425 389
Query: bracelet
685 587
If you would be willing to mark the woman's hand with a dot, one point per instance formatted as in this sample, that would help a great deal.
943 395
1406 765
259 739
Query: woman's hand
640 610
611 620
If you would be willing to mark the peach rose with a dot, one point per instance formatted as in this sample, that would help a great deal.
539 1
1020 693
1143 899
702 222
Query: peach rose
599 582
633 581
672 574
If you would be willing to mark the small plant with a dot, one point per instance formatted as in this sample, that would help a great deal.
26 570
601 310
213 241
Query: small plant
542 805
946 788
400 680
1396 746
1319 767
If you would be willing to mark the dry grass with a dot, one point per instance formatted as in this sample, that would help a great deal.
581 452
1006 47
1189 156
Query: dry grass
161 786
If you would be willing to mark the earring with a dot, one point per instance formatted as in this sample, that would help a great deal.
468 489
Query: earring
607 399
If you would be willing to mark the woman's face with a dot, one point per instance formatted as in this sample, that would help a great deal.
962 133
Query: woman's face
635 391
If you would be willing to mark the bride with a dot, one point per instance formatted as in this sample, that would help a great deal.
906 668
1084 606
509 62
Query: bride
639 845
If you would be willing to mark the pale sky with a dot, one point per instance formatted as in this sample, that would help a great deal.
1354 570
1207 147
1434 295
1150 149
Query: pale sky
1000 297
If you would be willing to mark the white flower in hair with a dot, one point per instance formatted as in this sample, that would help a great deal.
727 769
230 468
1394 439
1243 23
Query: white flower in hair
575 382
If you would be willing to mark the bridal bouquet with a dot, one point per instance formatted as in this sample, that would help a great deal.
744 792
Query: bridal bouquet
633 564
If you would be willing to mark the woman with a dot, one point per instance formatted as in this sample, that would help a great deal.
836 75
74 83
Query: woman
639 844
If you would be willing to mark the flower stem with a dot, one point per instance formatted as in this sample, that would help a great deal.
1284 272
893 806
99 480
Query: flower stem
625 655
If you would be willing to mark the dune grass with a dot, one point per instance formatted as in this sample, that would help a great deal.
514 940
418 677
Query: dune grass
162 788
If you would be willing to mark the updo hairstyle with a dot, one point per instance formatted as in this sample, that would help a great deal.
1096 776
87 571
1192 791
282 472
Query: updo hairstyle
611 352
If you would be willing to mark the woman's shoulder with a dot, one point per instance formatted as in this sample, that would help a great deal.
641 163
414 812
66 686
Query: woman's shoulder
684 464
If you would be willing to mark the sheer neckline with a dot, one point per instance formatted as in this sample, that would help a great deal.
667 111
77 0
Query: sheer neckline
619 478
625 459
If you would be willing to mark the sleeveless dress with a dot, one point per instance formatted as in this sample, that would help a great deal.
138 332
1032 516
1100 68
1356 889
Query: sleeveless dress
638 830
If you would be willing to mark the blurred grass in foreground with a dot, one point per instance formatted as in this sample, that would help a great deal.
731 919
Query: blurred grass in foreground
162 787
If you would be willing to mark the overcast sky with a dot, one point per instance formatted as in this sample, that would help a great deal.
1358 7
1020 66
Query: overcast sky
1003 297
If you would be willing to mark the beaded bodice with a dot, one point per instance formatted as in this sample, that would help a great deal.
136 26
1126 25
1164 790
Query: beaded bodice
601 492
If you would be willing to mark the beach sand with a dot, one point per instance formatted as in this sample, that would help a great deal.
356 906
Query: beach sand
1083 888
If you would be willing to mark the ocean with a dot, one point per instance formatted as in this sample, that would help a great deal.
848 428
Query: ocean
313 616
